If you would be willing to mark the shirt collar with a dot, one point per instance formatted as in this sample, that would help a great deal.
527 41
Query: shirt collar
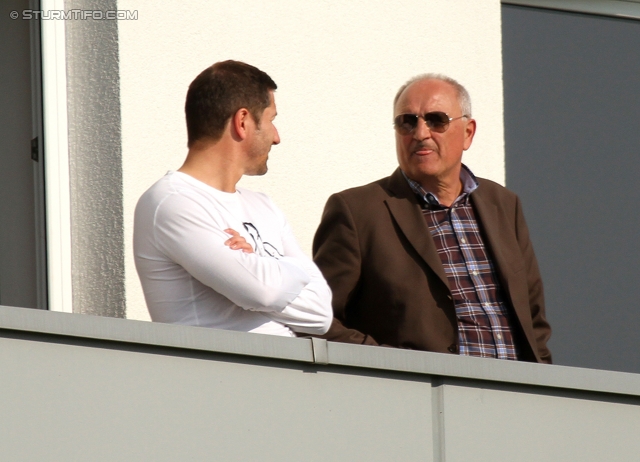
469 184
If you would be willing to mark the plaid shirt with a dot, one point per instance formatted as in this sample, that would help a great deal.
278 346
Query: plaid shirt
484 324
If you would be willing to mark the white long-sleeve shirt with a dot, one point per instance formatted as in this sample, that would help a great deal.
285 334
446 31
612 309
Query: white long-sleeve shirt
189 276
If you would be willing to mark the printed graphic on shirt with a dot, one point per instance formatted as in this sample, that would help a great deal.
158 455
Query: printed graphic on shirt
262 248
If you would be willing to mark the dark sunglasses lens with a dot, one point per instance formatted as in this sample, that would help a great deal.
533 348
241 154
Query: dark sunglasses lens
405 123
437 121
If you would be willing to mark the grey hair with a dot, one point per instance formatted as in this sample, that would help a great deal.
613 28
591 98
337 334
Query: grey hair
463 95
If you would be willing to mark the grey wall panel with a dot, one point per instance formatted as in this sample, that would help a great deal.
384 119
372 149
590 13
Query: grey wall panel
72 403
572 118
533 427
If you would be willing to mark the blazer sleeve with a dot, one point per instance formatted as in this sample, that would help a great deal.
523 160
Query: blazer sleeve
541 328
336 251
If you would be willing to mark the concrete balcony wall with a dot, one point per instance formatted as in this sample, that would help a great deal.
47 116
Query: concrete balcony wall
77 387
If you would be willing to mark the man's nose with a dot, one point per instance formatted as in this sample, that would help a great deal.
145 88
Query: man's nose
422 131
276 138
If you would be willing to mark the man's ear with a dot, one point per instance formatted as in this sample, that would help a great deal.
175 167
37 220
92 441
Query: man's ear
469 131
239 123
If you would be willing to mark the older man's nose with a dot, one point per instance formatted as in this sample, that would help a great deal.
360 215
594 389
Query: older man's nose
422 130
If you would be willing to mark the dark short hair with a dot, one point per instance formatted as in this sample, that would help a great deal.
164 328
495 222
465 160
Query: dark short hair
219 92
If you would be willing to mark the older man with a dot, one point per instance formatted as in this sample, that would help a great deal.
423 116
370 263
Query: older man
211 254
433 258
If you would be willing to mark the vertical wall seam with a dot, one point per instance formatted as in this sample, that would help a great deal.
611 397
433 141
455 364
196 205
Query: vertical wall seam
320 350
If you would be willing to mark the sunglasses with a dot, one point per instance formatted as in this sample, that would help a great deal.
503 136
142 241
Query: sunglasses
436 122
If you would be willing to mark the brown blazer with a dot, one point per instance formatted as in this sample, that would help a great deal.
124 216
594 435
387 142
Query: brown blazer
389 287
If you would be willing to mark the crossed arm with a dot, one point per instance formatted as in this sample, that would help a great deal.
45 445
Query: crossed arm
289 290
311 311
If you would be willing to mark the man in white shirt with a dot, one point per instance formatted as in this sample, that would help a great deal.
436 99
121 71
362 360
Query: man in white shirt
210 254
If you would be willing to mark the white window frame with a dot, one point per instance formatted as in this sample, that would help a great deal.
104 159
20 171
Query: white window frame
616 8
56 152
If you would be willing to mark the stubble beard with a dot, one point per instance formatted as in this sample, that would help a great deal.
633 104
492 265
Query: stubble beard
259 155
260 166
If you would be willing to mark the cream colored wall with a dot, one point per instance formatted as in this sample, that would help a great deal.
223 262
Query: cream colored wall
337 66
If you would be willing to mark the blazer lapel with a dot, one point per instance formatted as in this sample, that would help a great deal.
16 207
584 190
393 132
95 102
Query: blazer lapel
405 210
500 240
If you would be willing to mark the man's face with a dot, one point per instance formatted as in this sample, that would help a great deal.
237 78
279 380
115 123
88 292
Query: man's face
425 156
264 136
